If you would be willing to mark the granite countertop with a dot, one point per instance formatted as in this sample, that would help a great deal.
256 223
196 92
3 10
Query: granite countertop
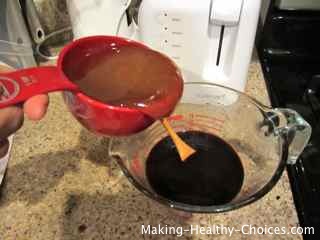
61 185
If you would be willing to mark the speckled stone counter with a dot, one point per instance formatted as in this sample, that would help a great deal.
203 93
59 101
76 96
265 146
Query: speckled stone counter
61 185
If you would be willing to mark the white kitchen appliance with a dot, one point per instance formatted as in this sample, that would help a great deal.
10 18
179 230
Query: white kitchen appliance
210 40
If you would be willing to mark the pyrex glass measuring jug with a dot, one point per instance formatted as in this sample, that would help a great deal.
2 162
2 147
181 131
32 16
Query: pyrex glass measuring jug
264 139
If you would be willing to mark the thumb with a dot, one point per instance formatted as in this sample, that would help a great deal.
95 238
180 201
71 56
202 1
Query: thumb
36 107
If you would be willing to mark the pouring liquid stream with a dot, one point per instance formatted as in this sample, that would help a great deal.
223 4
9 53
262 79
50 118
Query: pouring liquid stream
150 83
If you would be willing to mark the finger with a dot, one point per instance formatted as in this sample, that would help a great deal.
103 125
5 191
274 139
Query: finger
11 119
36 107
4 68
4 147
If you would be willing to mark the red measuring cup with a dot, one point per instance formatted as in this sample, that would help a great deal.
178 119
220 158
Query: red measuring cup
98 117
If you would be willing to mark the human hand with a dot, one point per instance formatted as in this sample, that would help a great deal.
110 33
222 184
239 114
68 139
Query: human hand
11 118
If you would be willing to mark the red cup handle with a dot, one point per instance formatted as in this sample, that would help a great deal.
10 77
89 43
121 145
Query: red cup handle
18 86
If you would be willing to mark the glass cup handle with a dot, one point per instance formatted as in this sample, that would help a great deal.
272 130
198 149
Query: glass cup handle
294 129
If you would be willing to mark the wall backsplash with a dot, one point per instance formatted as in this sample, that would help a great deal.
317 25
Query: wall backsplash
53 14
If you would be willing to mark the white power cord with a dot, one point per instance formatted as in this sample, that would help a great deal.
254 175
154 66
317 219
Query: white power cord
14 49
126 6
38 47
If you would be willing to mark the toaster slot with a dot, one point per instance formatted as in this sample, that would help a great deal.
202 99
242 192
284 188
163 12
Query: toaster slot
220 45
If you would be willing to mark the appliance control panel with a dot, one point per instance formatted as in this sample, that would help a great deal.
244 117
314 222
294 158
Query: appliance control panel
210 40
179 31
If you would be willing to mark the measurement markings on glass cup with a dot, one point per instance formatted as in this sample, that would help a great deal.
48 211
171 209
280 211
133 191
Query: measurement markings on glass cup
215 124
177 117
156 132
207 125
215 119
136 166
202 126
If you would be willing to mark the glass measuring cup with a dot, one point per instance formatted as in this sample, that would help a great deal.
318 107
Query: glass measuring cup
265 139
